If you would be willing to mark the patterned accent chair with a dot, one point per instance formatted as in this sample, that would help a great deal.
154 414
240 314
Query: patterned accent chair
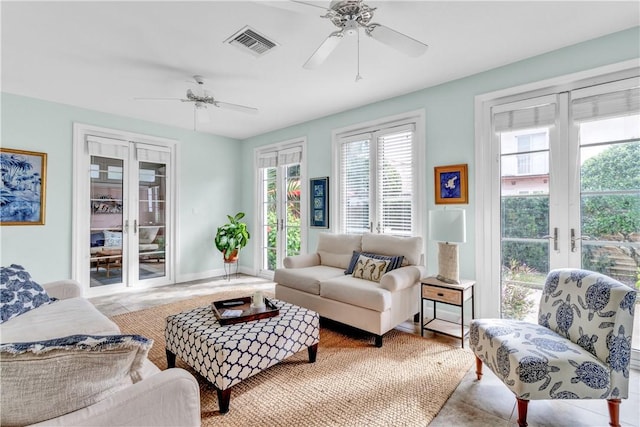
580 348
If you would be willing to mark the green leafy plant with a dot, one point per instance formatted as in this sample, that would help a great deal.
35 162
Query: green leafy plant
515 297
232 236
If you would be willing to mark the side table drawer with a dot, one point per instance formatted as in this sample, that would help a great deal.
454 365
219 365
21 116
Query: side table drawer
450 296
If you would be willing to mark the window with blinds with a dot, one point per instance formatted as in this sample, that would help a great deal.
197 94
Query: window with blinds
377 181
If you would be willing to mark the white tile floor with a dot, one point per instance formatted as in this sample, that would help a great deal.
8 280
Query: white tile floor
473 403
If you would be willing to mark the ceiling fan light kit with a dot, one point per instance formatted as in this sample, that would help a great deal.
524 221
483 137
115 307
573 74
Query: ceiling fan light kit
351 15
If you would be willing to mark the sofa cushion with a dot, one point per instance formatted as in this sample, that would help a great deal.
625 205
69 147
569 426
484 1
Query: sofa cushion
370 269
113 239
358 292
384 244
335 250
394 261
306 279
46 379
64 317
147 234
19 293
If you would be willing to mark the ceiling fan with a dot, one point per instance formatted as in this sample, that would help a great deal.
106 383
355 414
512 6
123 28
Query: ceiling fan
351 15
201 99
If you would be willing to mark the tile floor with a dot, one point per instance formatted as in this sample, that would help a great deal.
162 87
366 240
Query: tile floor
473 403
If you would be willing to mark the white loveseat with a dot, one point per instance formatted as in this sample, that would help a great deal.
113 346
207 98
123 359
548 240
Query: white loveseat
159 398
318 281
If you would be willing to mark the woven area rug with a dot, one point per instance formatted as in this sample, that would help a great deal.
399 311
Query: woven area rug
352 383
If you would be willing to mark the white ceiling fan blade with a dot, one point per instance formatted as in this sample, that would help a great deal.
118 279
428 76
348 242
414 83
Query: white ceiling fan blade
325 49
295 6
396 40
236 107
158 99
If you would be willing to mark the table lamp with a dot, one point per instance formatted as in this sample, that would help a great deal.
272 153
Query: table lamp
448 227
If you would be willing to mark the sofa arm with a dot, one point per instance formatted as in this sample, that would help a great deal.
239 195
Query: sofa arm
403 277
300 261
63 289
169 398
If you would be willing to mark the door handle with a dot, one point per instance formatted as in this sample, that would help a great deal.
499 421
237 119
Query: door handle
554 237
135 226
574 239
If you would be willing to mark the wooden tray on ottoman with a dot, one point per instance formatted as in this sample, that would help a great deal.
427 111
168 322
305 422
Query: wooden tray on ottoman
249 312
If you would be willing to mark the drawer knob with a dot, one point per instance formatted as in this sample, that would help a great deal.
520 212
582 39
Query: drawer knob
440 294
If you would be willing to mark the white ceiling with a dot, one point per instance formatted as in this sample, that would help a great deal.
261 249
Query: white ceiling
100 55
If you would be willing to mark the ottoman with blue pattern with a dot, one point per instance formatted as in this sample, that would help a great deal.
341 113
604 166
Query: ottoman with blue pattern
226 355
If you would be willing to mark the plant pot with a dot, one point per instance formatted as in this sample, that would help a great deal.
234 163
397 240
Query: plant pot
232 258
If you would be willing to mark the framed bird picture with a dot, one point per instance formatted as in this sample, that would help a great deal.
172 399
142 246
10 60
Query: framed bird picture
451 184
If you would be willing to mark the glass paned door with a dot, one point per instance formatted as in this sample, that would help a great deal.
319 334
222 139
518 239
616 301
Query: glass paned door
151 223
281 214
107 210
129 214
608 237
524 220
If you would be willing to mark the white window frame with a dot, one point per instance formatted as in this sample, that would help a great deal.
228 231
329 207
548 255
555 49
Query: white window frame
487 165
80 250
419 207
257 191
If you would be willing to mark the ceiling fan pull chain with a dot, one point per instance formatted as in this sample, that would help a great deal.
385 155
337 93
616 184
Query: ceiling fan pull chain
358 76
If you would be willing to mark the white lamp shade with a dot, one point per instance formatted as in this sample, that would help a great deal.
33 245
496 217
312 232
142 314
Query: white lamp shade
448 225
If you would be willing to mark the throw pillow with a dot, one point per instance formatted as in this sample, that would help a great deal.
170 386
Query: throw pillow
113 239
394 261
148 234
46 379
19 293
370 269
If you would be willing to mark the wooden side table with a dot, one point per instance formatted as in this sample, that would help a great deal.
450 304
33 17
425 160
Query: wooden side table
445 293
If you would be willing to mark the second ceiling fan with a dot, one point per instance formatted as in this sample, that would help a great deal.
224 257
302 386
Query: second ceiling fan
351 15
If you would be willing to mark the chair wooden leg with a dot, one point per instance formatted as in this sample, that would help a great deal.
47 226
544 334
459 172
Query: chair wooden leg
478 368
614 412
522 412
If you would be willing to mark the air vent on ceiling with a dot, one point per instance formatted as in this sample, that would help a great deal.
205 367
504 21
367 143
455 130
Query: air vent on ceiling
249 40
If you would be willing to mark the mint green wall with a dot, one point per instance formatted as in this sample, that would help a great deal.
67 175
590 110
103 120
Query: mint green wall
208 187
449 122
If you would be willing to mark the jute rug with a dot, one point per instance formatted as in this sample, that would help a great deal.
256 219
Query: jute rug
352 383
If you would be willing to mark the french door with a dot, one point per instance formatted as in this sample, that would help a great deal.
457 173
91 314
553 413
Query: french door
281 212
124 230
568 167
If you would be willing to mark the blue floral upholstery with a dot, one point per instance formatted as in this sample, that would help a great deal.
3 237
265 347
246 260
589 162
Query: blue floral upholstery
19 293
580 349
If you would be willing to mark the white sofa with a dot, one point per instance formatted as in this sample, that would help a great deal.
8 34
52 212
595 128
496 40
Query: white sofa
160 398
318 281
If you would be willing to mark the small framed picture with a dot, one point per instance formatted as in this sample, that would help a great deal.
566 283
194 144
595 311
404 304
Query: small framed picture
319 201
23 187
451 184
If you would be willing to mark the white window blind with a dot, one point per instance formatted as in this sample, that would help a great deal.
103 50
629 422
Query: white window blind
290 156
355 178
152 154
268 159
377 181
587 106
107 147
395 183
524 118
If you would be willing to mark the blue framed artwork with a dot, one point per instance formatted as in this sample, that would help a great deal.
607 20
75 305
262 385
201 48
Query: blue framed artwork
22 187
451 184
319 201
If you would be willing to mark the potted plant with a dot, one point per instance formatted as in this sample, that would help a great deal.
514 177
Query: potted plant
231 237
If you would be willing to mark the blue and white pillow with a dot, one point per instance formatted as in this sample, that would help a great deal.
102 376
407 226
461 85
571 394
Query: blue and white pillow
19 293
394 261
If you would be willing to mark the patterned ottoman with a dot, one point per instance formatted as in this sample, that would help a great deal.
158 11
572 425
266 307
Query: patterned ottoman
225 355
